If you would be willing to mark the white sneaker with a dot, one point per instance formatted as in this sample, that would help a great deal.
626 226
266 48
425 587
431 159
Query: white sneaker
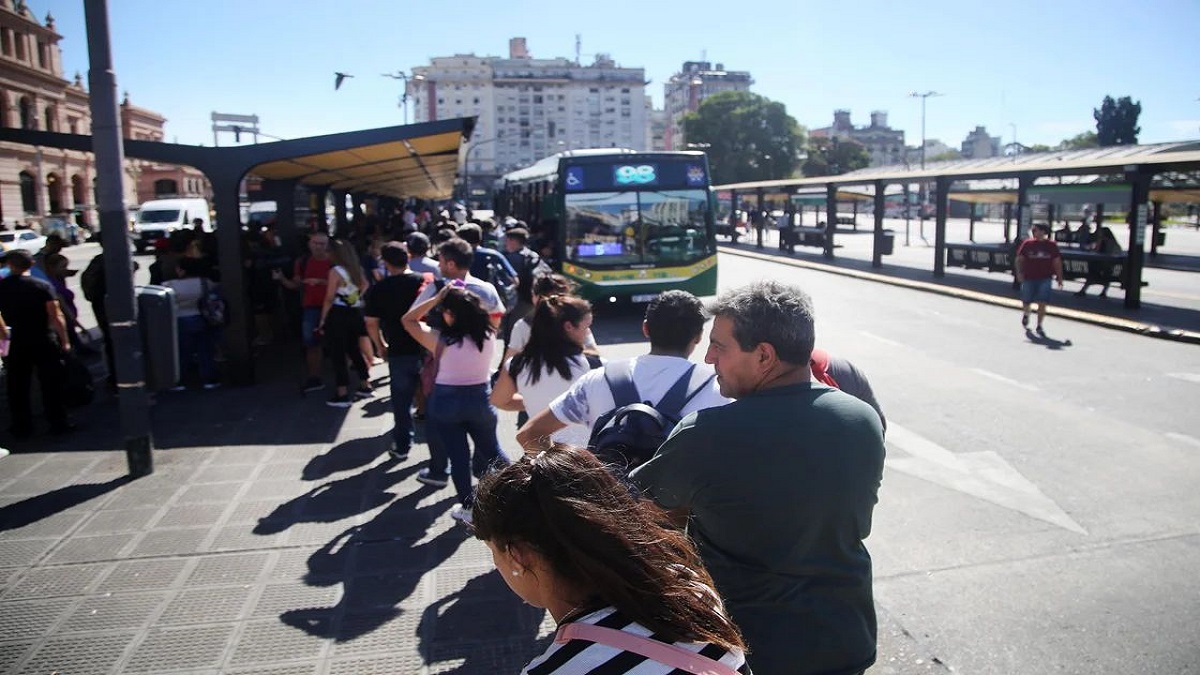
461 514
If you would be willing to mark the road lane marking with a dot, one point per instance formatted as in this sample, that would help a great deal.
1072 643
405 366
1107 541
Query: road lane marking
1186 377
880 338
1000 378
1184 438
985 475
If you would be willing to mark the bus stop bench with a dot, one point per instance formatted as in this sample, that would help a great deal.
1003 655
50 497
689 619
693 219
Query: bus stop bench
801 236
1100 268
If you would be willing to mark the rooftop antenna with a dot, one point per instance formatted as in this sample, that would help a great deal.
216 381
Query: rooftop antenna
578 48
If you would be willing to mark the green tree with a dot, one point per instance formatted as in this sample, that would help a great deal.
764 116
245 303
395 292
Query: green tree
1116 121
747 137
1080 141
831 157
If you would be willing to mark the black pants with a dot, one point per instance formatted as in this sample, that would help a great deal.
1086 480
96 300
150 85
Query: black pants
101 313
343 327
22 361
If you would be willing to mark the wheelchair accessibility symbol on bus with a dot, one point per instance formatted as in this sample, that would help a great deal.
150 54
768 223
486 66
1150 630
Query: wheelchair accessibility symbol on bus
574 178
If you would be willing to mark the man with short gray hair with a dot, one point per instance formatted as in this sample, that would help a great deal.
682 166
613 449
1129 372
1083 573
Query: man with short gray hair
780 486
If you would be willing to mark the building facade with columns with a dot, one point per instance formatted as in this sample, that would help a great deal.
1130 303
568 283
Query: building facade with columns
36 181
884 144
529 108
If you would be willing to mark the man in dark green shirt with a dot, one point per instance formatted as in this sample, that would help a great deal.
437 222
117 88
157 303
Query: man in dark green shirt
780 486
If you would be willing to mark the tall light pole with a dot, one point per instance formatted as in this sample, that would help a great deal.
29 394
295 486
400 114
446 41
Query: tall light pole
467 167
401 75
923 96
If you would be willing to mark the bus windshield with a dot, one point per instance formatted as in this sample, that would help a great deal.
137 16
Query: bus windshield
612 229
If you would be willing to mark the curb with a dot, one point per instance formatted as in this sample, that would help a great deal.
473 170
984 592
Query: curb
1102 320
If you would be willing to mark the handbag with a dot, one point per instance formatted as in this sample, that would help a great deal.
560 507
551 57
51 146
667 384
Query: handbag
429 368
666 654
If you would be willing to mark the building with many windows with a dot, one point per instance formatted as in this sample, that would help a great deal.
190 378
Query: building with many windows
687 89
884 144
37 181
979 145
530 108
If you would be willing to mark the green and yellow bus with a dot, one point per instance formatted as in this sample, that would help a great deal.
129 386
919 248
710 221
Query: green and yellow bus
625 225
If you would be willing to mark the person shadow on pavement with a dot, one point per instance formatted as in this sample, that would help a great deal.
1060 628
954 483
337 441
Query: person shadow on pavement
485 625
346 456
28 511
379 565
1045 341
339 499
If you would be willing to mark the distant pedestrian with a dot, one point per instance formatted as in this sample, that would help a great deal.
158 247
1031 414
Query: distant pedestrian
526 262
418 255
310 275
777 489
197 339
37 334
1038 261
341 324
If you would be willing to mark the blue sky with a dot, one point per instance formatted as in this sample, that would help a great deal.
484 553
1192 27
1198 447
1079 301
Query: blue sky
1041 66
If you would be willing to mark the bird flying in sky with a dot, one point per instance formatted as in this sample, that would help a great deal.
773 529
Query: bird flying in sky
337 83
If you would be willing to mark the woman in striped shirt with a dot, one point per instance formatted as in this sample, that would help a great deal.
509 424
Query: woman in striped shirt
627 590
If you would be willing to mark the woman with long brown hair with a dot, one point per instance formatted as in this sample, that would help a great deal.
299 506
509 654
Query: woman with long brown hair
342 323
627 590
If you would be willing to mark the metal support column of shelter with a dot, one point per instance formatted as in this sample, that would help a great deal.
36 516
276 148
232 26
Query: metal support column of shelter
1139 197
236 334
971 231
939 226
339 213
283 193
132 399
759 220
907 214
854 214
880 206
1008 213
1156 219
830 218
789 223
316 202
1024 210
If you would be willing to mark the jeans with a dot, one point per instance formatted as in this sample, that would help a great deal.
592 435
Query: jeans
198 339
456 413
405 372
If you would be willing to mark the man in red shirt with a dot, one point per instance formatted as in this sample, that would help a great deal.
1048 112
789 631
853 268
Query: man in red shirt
1038 260
312 275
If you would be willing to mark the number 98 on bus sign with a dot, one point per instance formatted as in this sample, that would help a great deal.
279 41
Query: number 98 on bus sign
634 175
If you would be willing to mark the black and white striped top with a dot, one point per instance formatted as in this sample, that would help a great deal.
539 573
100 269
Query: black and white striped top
580 657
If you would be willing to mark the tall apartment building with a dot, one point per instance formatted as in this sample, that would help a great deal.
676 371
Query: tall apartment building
884 144
39 181
979 145
687 89
530 108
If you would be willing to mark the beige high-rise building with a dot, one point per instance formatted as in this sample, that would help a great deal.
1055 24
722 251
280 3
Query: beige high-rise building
530 108
43 181
687 89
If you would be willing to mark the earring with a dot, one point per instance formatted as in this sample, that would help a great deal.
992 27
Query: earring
516 573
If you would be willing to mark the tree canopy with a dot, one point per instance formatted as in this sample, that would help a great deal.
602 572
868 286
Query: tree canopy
1116 121
747 137
831 157
1081 141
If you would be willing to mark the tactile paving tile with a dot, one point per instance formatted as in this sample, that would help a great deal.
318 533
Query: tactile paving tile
396 662
383 591
21 620
78 654
56 525
298 669
294 565
221 570
142 575
88 549
11 654
170 542
191 515
221 473
279 598
123 520
269 641
279 489
36 483
391 557
206 605
252 511
113 611
179 648
23 552
136 498
468 658
380 631
315 534
49 582
448 580
241 538
241 455
221 493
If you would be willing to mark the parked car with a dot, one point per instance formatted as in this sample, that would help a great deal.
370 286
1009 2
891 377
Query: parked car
25 239
61 226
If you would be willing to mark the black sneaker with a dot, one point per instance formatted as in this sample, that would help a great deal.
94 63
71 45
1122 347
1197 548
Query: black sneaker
312 384
427 478
1040 332
339 402
398 454
365 392
1025 320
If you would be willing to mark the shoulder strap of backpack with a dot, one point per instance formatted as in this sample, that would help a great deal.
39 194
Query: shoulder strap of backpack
593 361
619 375
682 391
666 654
820 368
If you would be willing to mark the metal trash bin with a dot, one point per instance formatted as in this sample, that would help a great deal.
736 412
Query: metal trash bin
160 336
888 242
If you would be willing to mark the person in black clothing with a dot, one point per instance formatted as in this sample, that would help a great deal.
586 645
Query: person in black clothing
525 261
386 302
38 340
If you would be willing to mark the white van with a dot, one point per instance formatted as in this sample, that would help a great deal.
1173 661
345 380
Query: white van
158 218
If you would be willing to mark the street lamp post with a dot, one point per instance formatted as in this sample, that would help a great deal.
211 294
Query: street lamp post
400 75
467 167
924 191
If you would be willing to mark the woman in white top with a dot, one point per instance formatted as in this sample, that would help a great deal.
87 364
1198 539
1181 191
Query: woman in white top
544 285
549 362
458 407
342 323
628 591
197 340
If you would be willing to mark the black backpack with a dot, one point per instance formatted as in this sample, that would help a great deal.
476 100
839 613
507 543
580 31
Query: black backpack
506 285
630 434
